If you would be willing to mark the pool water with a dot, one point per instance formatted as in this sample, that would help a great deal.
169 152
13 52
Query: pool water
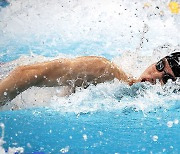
111 117
126 131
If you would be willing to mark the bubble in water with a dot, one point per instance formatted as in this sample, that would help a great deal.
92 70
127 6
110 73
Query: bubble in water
143 149
176 121
70 137
5 93
2 125
164 150
65 150
85 137
155 138
170 123
15 150
29 145
100 133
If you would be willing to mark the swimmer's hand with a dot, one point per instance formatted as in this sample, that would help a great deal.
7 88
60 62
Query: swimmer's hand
132 81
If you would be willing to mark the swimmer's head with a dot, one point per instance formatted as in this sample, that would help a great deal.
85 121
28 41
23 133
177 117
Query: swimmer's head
174 63
165 69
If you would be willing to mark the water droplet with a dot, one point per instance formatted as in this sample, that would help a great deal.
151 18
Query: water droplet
164 150
155 138
85 137
65 150
29 145
170 123
176 121
143 149
100 133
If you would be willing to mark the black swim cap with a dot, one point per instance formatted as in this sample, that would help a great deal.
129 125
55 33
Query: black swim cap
174 62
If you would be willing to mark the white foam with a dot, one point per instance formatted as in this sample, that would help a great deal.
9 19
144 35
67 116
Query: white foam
106 96
137 33
117 23
10 150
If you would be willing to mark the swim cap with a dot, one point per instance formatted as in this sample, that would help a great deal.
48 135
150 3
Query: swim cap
174 62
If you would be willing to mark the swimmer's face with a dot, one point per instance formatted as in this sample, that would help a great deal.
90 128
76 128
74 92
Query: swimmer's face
159 71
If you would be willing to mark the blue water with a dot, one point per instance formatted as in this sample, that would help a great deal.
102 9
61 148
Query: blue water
4 3
124 131
111 117
72 48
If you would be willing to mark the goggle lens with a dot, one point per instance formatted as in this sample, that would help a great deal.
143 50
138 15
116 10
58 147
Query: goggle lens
160 67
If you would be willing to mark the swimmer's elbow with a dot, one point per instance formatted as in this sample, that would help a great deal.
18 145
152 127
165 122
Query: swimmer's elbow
7 95
2 101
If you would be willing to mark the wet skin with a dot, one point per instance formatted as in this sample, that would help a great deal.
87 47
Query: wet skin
151 74
77 72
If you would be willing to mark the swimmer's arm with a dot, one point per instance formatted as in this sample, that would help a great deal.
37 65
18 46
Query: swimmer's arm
122 76
24 77
18 80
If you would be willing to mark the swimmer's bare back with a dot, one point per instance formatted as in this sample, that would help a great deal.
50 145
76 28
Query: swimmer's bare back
77 72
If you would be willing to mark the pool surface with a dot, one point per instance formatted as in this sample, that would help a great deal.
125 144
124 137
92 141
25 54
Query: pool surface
111 117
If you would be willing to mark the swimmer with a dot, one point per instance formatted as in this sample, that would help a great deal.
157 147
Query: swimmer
81 72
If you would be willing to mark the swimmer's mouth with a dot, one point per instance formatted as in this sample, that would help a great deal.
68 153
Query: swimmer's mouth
143 80
149 80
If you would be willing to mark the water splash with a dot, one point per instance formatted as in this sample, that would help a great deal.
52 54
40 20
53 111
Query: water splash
10 150
106 96
1 139
3 3
84 28
73 28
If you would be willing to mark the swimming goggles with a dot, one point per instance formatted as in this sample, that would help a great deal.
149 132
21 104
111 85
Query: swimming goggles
160 67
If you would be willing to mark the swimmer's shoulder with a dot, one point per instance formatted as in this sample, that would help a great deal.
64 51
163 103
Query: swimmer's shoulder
94 58
89 60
